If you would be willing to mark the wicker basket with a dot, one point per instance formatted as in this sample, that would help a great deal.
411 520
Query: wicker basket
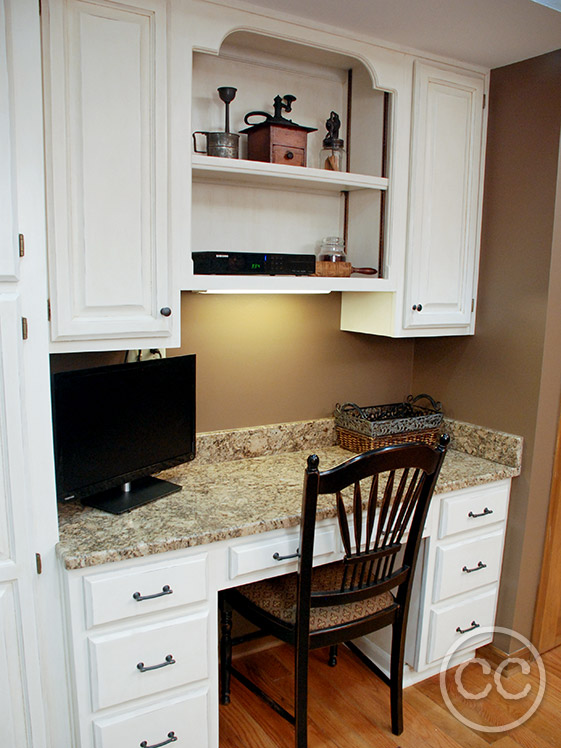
361 429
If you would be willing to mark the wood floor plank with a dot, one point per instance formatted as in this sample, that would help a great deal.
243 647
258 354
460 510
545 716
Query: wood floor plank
349 707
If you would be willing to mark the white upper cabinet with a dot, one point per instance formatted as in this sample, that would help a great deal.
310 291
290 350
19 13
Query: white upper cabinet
443 228
108 173
436 290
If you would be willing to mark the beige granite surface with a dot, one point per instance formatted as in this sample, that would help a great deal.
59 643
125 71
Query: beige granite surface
225 498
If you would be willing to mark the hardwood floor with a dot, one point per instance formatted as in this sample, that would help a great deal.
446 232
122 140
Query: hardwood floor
349 706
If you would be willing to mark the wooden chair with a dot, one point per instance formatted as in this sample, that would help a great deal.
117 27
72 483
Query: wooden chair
365 591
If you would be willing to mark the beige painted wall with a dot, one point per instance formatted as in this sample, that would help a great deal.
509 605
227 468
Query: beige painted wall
268 359
508 376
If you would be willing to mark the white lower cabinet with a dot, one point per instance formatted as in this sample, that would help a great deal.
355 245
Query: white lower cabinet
459 585
456 583
143 652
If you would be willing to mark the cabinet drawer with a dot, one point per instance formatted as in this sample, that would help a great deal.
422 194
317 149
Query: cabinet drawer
473 511
464 566
183 718
154 587
114 658
258 555
286 154
447 625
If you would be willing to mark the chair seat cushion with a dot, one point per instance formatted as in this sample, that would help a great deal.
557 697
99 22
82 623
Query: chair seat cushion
277 597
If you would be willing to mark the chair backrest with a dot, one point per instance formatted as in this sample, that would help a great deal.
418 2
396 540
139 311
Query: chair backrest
380 552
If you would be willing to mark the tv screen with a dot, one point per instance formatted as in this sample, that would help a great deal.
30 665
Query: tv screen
116 425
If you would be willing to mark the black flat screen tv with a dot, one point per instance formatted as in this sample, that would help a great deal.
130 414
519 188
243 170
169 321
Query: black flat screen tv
116 425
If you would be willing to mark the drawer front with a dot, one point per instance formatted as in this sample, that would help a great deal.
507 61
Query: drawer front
115 675
465 566
452 624
184 718
259 554
476 510
124 594
283 154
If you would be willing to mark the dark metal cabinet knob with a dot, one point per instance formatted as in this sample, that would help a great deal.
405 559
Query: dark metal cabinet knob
165 311
289 155
417 307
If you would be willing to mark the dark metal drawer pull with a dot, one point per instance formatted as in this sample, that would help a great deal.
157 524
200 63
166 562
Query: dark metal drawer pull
166 590
277 557
143 668
480 565
171 739
473 626
484 513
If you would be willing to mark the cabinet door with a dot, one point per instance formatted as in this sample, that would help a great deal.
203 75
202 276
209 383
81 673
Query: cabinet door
445 195
107 169
20 716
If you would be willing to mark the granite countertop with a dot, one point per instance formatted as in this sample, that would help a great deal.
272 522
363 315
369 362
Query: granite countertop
224 498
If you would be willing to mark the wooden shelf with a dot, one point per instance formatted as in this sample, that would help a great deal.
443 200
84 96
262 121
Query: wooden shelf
262 174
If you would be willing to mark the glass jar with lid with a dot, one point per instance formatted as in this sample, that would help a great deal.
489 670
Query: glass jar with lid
332 249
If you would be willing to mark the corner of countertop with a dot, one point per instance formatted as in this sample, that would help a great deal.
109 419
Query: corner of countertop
497 446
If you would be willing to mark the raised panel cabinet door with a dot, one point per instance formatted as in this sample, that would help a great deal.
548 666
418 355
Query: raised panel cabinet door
445 196
106 94
20 717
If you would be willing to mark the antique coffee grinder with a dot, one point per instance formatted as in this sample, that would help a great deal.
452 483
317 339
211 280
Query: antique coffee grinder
277 139
225 144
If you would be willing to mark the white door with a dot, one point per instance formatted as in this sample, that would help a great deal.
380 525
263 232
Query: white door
27 499
445 197
19 673
106 104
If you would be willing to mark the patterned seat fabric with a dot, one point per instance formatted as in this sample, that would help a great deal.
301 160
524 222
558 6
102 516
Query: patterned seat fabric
277 597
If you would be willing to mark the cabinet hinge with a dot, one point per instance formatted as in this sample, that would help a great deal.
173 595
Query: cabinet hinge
49 309
484 100
472 306
39 563
40 8
24 328
21 244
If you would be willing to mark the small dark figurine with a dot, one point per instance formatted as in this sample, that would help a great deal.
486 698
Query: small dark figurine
333 126
332 156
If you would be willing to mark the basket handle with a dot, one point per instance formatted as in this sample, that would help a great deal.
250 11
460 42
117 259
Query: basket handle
437 406
351 406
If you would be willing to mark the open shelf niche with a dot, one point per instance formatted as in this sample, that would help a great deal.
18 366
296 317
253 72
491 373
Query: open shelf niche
250 206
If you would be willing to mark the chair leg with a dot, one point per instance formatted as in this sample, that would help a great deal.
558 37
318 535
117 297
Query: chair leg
396 676
225 651
333 655
301 697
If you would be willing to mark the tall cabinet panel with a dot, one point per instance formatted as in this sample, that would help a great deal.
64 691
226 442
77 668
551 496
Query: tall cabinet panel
9 255
106 81
444 198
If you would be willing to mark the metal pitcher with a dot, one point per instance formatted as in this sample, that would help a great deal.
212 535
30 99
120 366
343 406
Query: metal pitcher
224 144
